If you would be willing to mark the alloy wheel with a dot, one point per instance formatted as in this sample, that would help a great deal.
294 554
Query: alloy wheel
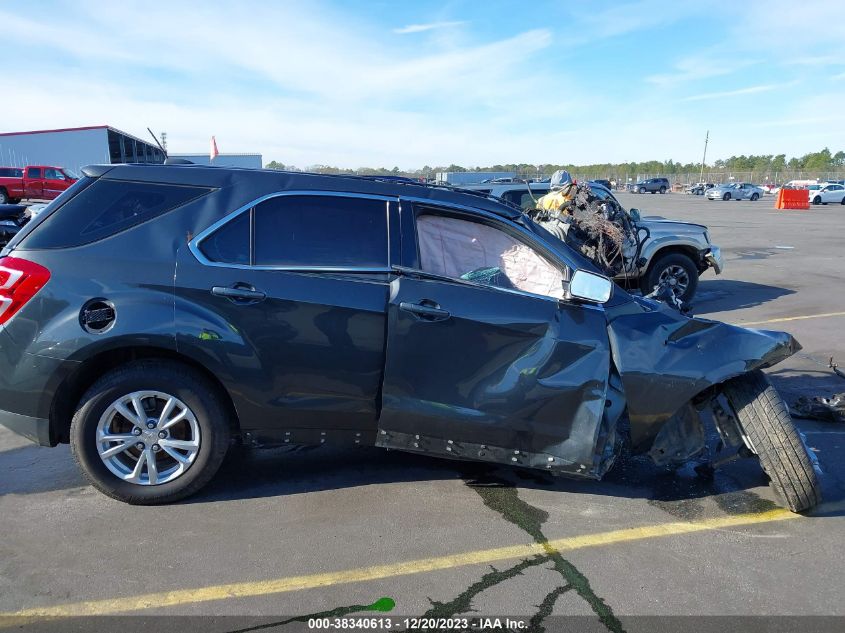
676 278
148 438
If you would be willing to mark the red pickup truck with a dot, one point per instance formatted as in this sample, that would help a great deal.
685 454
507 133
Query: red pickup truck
41 182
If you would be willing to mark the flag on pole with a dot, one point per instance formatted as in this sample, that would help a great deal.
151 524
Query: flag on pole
214 152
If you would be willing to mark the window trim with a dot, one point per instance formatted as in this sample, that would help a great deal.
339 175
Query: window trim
194 244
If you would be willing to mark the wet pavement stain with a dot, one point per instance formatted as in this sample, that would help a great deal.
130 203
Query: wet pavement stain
462 603
502 496
382 605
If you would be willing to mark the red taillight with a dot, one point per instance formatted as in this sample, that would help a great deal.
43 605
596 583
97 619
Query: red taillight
20 280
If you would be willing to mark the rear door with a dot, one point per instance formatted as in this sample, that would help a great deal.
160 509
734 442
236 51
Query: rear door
286 300
484 360
34 182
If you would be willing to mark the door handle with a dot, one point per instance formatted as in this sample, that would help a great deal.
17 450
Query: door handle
239 293
426 309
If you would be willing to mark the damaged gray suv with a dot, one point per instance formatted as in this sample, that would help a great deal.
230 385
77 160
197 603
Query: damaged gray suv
153 316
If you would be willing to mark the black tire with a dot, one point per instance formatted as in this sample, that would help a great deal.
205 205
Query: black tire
4 197
170 377
843 201
642 190
817 200
15 200
663 190
765 420
727 196
663 262
755 197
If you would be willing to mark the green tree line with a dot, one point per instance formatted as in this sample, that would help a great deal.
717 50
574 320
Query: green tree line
823 160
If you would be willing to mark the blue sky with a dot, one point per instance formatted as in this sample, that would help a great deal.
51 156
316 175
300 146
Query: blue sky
430 83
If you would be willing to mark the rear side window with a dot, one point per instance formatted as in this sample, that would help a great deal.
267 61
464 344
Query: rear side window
305 232
108 207
33 172
230 243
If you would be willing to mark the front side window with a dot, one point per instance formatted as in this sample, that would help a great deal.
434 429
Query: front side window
476 252
53 174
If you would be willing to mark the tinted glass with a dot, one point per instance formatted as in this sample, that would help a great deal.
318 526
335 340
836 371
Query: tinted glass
53 174
108 207
33 172
332 231
230 243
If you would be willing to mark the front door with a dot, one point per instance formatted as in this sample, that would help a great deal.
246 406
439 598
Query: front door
54 183
485 361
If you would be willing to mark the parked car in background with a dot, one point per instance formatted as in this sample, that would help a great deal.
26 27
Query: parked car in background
827 193
652 185
40 182
157 315
735 191
699 188
675 252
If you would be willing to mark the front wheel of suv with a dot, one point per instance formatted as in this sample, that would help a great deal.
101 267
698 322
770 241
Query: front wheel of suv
677 271
150 432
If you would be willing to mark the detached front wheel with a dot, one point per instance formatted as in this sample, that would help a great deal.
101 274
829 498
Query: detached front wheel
767 426
150 432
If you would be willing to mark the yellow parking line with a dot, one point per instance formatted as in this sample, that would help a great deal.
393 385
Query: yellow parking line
377 572
795 318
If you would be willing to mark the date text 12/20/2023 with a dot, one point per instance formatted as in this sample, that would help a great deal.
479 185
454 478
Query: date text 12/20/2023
423 624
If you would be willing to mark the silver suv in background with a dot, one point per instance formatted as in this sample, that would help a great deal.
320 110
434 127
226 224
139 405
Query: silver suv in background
674 252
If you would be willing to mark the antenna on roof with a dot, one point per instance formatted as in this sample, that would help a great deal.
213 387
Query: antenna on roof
160 146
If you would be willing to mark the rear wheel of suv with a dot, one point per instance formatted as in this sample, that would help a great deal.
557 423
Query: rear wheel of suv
662 189
152 431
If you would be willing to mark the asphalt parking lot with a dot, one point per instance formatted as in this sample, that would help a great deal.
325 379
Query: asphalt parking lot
285 534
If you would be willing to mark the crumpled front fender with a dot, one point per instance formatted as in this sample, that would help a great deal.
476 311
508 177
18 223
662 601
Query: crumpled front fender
665 359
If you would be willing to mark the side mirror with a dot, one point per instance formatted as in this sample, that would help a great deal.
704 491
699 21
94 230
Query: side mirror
635 214
590 287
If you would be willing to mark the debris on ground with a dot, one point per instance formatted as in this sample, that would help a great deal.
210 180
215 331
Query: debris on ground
825 409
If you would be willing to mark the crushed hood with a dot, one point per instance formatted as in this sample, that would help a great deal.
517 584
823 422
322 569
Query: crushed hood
665 359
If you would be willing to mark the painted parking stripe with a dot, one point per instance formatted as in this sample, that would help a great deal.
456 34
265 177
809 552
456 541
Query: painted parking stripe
378 572
795 318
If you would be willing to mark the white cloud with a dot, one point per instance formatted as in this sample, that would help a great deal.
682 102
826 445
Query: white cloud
700 66
732 93
431 26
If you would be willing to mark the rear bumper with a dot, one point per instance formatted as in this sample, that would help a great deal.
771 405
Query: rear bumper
35 429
